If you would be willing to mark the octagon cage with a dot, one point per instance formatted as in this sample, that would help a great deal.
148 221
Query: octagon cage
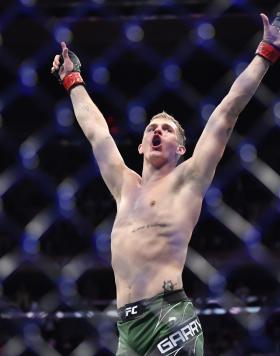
138 58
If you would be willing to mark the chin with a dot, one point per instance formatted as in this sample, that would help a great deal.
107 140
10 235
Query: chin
157 160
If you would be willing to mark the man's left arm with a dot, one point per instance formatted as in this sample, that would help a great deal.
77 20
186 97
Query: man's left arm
212 142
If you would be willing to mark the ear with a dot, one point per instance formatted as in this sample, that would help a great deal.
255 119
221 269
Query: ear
181 150
140 149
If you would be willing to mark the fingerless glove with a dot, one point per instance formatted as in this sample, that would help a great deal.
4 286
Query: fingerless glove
74 78
268 50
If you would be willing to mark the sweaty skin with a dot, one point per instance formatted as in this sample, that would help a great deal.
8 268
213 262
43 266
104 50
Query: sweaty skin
157 211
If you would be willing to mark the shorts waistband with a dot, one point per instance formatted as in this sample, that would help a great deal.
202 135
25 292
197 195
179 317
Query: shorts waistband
133 310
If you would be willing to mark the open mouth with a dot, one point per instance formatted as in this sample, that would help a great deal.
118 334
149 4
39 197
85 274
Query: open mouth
156 141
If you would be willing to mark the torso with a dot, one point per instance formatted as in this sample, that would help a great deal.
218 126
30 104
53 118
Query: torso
151 233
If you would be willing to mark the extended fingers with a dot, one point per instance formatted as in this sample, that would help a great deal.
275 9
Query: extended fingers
64 50
265 21
56 63
63 45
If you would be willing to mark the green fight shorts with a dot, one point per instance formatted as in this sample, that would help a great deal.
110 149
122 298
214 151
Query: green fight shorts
166 324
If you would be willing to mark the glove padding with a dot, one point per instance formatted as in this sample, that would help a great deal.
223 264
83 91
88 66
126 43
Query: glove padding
74 59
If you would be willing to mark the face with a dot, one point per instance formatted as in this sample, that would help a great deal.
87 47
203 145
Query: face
160 142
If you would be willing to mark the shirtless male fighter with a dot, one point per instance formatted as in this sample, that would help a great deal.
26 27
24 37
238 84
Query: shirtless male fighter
157 212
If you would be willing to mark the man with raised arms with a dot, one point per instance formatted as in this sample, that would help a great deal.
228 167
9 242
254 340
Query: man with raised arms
157 211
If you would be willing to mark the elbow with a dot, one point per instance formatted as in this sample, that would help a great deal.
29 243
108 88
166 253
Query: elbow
96 132
88 130
90 135
238 103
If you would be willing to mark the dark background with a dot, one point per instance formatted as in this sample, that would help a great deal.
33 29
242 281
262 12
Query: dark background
138 58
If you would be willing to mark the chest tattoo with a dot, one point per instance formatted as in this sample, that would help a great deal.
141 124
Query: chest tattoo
148 227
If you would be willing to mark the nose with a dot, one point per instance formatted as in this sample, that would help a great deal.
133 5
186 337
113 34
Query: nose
158 131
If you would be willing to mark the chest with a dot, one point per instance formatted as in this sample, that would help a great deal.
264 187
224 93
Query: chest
152 198
160 203
149 198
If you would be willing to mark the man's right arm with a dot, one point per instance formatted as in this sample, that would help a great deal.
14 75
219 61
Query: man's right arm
95 128
91 121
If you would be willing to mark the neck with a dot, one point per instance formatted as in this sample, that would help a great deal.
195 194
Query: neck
151 173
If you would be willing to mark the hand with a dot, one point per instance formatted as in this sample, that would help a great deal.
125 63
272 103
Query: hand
271 33
62 66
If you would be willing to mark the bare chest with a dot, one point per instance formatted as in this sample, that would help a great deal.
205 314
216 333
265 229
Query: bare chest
156 204
147 199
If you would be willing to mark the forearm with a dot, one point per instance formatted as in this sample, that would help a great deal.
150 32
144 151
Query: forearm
87 113
246 85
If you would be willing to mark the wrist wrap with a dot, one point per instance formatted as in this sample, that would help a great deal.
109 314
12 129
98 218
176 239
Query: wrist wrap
268 51
71 80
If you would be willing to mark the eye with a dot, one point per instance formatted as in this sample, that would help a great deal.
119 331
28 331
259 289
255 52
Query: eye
151 128
168 128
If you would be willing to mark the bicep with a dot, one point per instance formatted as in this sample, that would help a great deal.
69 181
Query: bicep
110 163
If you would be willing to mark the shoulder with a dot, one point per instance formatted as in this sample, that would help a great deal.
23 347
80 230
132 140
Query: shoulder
185 172
187 176
132 177
131 180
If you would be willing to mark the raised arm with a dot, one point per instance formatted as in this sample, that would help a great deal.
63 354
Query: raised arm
211 145
92 122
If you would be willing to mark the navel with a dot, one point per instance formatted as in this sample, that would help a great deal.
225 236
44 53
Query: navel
153 202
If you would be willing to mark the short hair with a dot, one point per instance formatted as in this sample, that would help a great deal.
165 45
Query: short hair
181 131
